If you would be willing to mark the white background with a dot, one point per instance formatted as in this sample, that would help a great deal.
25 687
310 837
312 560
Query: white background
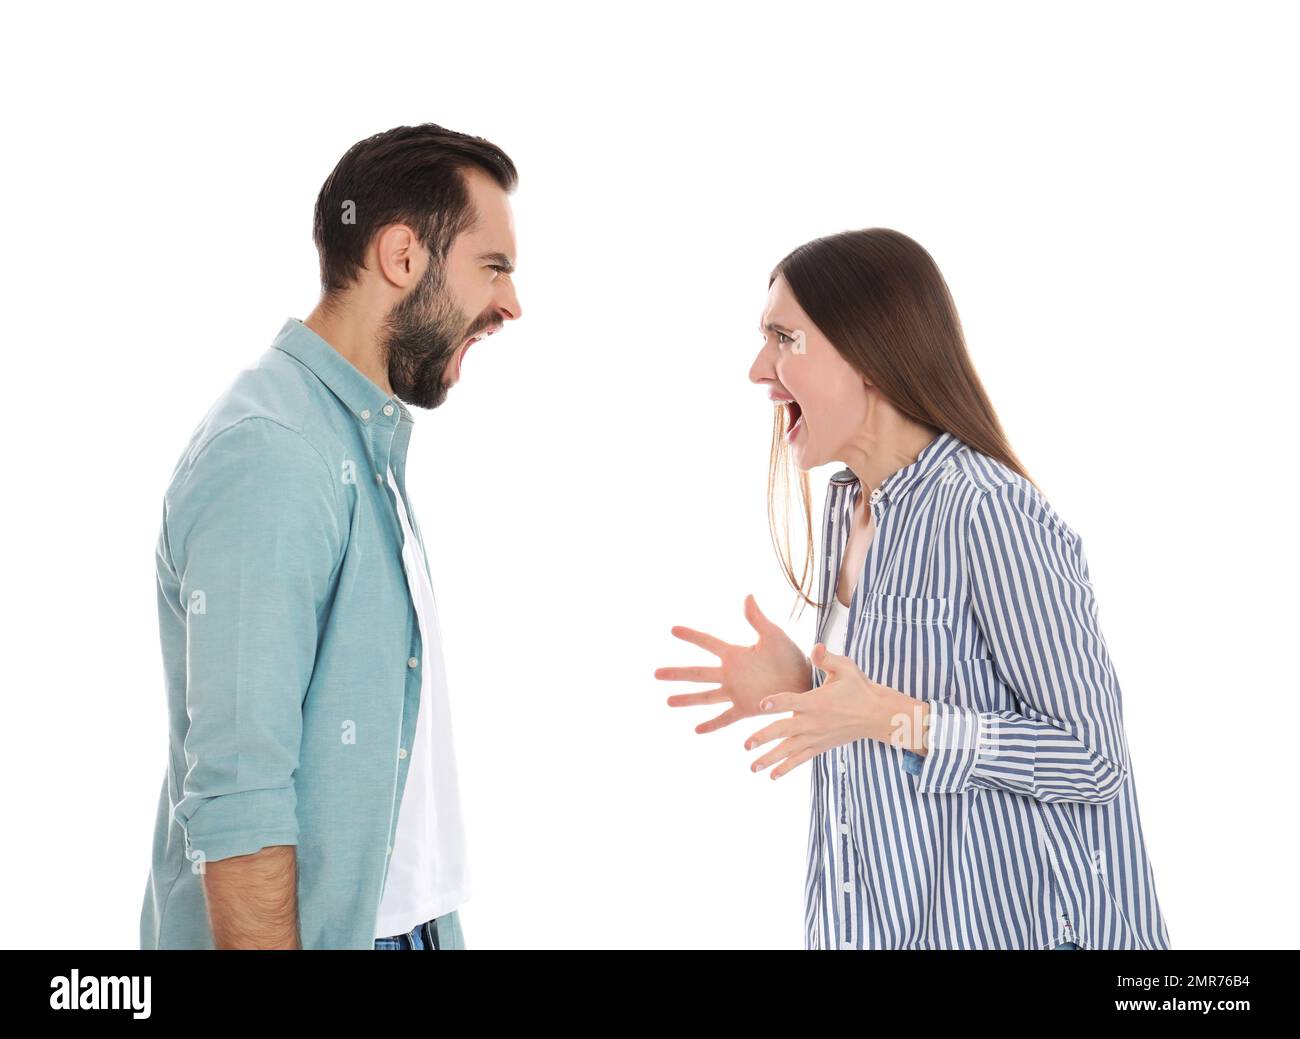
1108 189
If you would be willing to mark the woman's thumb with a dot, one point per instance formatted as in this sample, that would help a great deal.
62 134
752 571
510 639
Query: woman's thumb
824 659
755 616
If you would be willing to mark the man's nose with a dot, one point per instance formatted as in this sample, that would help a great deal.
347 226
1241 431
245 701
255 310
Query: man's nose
510 309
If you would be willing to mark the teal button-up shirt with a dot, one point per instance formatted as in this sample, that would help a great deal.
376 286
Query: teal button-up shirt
290 644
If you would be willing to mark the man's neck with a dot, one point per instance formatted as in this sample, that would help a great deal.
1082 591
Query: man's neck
354 333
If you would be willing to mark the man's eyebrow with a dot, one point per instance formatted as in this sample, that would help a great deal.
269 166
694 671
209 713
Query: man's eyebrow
498 258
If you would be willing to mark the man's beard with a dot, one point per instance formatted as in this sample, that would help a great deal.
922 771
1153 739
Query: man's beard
420 338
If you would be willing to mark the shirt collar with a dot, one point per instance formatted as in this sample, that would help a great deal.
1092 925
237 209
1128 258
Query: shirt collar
934 456
357 391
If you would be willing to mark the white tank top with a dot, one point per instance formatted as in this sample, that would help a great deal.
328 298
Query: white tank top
837 625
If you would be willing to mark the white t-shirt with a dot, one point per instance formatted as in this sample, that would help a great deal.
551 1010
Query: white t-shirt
428 871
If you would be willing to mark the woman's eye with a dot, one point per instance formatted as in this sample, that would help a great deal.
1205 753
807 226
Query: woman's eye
782 338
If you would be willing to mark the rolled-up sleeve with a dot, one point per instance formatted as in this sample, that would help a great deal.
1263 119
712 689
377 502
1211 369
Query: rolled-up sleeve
253 532
1033 600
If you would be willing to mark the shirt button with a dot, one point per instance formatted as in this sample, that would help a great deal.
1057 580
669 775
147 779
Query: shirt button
847 944
365 414
875 495
844 767
844 827
848 885
401 752
413 662
378 478
388 409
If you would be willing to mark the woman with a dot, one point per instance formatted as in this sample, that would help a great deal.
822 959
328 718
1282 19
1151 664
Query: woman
971 781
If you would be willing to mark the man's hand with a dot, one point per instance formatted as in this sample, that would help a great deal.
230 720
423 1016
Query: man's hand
253 899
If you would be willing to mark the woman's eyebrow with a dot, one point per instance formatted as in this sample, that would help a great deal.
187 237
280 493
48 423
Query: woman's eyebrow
772 326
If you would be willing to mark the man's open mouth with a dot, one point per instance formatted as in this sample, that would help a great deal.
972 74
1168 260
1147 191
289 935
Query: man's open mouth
480 335
470 342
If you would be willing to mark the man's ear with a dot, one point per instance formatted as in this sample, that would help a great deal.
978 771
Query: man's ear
398 255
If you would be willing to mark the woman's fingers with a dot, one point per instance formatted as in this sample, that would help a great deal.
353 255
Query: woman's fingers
785 727
696 699
698 638
725 718
793 745
689 674
781 702
794 761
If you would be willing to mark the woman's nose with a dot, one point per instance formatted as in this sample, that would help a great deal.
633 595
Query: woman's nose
762 368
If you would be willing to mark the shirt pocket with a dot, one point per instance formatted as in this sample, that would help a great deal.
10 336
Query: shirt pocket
906 642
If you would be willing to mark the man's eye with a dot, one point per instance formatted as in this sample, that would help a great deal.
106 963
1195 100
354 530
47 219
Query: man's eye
498 267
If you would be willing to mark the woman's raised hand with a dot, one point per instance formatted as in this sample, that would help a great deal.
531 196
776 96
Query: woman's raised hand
745 674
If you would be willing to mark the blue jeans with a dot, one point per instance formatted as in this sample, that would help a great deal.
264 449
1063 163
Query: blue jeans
442 932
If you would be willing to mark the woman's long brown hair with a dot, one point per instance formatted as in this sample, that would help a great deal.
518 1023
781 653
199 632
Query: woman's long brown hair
880 299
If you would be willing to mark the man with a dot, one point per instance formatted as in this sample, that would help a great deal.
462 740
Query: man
310 799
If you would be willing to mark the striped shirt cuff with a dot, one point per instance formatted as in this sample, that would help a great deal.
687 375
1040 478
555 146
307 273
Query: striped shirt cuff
961 740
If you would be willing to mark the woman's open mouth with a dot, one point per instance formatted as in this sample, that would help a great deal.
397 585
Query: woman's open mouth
793 421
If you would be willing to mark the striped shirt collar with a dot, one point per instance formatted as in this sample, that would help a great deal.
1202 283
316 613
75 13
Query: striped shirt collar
931 459
357 391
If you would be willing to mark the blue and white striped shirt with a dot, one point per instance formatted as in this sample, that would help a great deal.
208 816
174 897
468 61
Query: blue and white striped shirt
1019 828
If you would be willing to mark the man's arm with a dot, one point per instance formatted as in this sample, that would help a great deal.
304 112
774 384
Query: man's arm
253 900
254 535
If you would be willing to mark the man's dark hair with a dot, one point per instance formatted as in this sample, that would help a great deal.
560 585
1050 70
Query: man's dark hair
410 175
